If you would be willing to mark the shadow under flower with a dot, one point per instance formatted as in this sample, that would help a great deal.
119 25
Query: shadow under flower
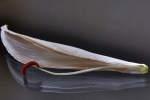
36 80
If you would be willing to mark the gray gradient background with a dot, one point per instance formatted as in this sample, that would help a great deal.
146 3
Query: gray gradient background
117 28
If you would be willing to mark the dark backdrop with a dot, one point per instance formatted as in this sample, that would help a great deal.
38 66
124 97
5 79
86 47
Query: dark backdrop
116 28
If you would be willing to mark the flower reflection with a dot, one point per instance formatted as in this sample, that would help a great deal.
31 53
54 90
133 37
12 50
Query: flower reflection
37 80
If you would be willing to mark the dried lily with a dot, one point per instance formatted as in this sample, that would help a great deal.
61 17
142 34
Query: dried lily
53 55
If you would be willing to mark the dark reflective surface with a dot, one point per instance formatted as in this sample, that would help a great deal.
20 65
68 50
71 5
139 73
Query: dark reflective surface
36 80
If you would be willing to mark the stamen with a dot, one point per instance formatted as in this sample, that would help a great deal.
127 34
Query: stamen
27 65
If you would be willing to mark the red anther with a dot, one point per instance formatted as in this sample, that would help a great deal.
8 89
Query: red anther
29 64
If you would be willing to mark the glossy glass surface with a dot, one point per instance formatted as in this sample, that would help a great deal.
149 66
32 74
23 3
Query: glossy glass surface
36 80
39 85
